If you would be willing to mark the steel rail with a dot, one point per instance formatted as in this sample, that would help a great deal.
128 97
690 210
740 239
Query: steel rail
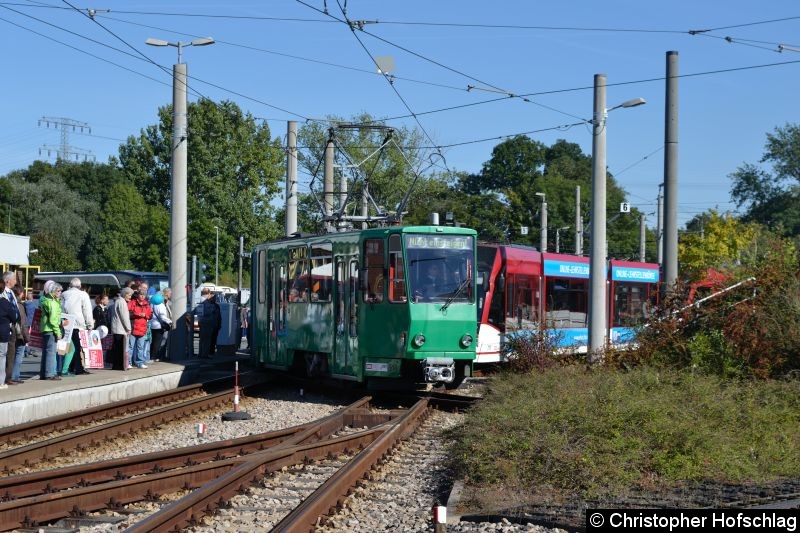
49 481
188 510
30 454
331 494
11 434
29 511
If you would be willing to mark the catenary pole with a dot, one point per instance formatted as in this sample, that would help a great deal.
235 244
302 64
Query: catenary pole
178 210
671 173
642 237
543 226
660 226
597 257
291 178
327 189
578 222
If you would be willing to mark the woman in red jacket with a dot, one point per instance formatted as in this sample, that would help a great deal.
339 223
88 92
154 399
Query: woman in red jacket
140 312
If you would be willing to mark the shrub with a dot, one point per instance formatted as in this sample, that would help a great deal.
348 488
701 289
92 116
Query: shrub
752 331
533 350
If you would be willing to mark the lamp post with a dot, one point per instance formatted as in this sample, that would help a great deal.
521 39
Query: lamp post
216 259
178 201
597 257
543 223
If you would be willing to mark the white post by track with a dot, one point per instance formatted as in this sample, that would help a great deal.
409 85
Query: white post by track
236 414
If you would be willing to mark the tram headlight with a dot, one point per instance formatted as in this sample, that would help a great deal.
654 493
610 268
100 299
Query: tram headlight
466 340
419 340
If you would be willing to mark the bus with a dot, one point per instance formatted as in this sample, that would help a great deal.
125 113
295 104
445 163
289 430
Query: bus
359 305
97 283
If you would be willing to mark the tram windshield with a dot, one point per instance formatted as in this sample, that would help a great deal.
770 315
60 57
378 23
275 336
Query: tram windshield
440 268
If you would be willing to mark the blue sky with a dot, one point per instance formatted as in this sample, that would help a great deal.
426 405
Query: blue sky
724 117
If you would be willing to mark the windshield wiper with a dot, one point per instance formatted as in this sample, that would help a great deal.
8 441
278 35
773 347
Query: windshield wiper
455 294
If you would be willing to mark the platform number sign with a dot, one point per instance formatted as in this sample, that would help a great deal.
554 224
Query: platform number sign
624 207
523 230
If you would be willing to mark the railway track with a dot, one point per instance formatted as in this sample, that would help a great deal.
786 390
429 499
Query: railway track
189 400
20 432
214 472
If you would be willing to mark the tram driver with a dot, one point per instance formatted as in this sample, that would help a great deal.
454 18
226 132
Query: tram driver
432 282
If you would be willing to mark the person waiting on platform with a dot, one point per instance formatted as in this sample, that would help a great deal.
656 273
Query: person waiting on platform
209 319
140 314
76 302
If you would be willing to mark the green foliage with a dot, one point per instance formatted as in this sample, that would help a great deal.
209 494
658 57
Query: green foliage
751 331
390 171
770 196
521 167
54 216
723 244
601 432
234 168
132 234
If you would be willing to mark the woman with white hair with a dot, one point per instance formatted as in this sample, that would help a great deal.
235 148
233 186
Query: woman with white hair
50 327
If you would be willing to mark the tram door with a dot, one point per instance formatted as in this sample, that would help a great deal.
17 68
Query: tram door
277 311
346 316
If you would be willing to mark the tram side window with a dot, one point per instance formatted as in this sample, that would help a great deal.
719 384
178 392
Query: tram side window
261 275
397 271
321 272
298 276
282 295
353 298
339 296
566 305
630 304
375 266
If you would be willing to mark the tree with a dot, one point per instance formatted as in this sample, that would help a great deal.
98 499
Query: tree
234 168
722 244
521 167
770 196
390 172
132 236
90 181
55 218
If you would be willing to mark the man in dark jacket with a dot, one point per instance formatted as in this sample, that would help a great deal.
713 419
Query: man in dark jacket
9 281
23 337
7 317
209 320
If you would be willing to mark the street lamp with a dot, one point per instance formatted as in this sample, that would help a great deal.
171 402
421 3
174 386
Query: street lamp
543 223
216 261
178 200
203 41
597 257
558 239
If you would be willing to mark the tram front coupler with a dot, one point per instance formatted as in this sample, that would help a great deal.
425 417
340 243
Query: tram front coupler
439 369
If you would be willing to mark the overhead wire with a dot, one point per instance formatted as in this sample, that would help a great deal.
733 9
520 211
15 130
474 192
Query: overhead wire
428 23
389 81
143 57
289 56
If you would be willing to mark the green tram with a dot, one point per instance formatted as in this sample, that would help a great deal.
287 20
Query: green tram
389 307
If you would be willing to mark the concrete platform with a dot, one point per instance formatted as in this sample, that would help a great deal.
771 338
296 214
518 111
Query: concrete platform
35 399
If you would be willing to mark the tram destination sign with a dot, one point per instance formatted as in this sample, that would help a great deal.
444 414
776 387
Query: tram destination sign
439 242
647 275
566 269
